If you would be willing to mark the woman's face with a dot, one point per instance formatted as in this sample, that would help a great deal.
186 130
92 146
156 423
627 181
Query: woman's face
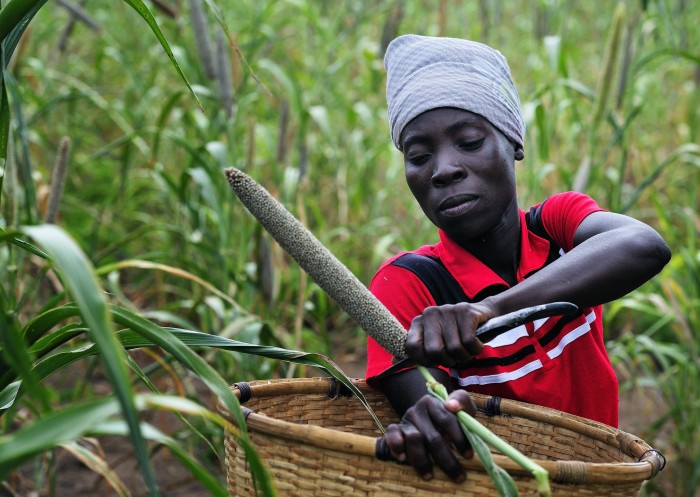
461 170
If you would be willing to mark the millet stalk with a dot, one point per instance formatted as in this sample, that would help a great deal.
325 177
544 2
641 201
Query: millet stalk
319 263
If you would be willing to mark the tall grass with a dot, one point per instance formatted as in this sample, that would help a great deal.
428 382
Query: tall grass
145 200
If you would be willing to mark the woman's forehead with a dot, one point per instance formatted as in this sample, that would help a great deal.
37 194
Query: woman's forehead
443 119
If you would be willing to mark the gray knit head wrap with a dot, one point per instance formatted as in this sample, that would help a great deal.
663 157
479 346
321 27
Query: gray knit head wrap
425 73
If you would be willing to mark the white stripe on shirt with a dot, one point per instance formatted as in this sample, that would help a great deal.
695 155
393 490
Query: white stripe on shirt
508 338
513 335
572 335
528 368
499 378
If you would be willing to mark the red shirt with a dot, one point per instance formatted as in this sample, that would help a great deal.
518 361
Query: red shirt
558 362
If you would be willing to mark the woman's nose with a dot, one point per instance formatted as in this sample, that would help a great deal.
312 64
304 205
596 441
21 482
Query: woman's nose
447 170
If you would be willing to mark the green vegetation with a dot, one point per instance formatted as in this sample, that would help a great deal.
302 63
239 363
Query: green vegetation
149 237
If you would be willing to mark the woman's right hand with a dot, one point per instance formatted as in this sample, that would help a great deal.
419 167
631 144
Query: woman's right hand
428 433
446 335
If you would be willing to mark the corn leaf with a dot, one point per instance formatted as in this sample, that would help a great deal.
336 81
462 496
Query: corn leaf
52 430
81 282
147 334
209 482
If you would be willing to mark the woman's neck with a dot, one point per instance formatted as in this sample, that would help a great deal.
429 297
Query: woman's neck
499 248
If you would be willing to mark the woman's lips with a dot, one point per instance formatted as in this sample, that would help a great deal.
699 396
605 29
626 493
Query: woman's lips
457 205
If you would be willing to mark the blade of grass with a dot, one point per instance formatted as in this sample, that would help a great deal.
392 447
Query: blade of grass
81 282
151 333
16 355
610 63
689 152
98 466
14 18
23 156
147 16
51 430
177 342
4 131
9 394
146 380
92 418
206 373
12 237
175 271
210 483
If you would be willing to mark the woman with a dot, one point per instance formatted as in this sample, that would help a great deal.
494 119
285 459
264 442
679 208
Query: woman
455 116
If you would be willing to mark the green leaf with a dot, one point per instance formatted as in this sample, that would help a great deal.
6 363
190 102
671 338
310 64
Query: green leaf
198 339
8 395
209 482
92 418
16 355
147 16
188 358
14 18
147 334
52 430
11 237
80 280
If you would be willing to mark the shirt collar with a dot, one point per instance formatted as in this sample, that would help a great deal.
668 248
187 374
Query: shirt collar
474 276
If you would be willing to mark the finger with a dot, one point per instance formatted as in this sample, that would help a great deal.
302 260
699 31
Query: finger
457 401
460 400
454 347
436 327
414 346
395 442
468 318
416 451
473 346
428 417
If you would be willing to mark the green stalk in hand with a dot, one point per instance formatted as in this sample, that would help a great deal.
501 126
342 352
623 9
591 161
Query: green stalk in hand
478 436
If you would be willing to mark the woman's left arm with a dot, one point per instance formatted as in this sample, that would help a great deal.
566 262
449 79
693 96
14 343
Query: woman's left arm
613 254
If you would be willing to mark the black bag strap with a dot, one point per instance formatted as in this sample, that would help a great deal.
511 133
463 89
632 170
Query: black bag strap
533 219
439 282
437 279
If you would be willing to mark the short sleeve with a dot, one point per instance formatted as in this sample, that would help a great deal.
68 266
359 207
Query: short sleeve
561 215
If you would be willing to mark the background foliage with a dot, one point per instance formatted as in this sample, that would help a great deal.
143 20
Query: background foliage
292 92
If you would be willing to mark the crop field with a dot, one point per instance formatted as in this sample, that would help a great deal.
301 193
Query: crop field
130 273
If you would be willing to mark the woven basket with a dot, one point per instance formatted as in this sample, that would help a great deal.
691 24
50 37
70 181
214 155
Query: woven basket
317 442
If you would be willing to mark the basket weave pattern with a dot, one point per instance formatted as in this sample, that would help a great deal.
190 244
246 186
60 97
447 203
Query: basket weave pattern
318 446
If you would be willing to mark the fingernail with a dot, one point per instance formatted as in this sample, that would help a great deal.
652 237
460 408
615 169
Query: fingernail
460 478
428 476
401 458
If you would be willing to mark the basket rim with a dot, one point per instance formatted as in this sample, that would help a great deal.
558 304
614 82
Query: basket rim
561 471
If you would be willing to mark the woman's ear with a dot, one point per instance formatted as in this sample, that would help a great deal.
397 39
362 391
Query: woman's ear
519 152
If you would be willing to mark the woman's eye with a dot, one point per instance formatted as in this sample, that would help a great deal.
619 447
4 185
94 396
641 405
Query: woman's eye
418 159
471 144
